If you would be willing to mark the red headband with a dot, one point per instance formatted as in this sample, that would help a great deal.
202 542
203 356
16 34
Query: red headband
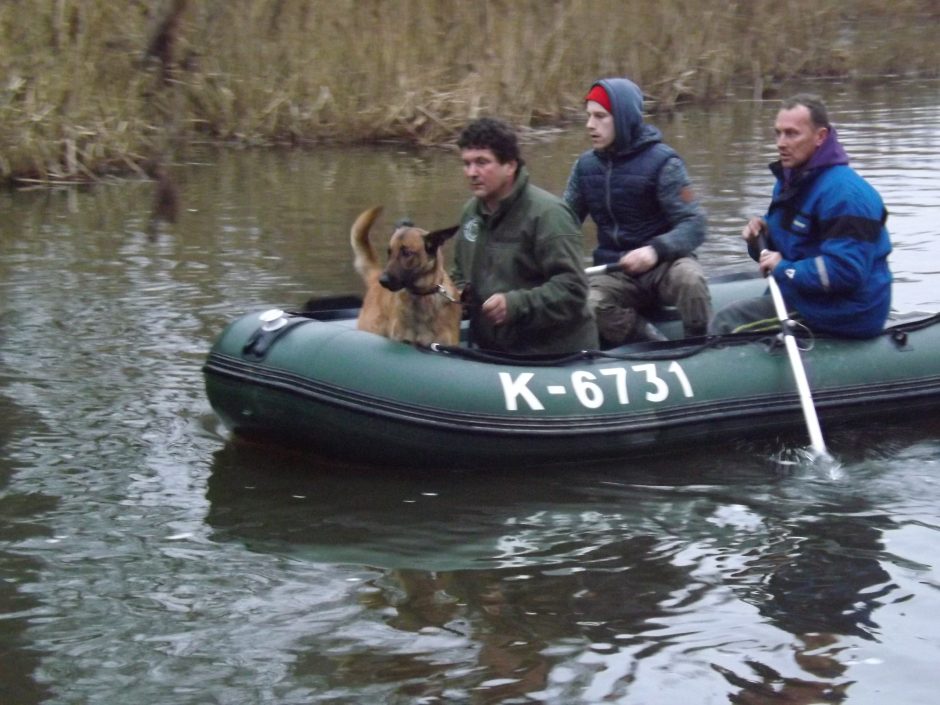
599 95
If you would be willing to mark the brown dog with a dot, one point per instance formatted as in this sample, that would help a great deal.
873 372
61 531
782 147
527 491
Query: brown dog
412 298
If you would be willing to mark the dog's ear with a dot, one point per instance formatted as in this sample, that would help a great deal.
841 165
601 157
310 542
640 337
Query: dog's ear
433 240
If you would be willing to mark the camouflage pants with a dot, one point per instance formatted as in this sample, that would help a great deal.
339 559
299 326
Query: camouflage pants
616 298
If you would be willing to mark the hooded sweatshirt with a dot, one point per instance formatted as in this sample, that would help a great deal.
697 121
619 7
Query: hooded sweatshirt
635 190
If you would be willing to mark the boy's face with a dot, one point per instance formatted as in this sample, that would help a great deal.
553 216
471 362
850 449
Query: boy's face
600 125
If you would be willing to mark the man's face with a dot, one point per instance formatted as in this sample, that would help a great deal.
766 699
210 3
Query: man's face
600 125
797 139
489 180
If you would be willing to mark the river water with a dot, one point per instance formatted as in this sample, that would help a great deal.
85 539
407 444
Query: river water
145 557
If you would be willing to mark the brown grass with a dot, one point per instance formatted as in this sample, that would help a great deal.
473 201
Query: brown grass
91 87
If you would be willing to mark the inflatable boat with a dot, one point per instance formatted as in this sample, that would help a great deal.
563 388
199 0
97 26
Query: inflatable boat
311 379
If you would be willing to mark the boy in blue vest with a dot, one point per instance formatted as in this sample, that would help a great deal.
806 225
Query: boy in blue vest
649 221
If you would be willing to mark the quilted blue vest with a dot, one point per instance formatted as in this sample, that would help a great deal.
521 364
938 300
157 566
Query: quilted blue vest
620 193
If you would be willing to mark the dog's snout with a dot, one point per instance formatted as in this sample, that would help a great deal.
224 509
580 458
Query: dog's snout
389 282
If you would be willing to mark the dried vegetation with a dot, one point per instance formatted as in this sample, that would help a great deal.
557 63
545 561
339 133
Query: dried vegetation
92 87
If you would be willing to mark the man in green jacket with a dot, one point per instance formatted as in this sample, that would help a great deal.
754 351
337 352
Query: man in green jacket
519 253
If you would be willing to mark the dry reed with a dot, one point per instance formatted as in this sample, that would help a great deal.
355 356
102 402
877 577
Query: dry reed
91 87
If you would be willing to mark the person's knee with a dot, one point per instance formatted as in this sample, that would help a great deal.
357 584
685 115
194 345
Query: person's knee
690 293
615 323
596 297
733 317
687 274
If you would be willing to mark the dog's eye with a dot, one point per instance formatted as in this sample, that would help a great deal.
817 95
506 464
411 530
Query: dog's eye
406 252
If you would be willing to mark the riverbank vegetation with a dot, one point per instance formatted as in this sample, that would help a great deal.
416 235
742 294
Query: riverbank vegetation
94 87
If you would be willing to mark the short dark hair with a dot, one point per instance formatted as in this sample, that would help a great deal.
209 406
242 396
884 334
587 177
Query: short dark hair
492 134
818 114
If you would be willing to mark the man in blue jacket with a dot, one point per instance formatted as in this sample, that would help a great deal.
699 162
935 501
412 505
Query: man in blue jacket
826 242
649 221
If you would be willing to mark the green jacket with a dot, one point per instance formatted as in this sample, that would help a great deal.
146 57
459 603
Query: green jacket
531 250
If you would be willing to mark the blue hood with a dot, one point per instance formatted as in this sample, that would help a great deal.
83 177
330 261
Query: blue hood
626 100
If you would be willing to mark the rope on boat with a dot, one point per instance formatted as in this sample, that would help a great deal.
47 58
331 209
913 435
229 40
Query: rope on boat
918 324
673 350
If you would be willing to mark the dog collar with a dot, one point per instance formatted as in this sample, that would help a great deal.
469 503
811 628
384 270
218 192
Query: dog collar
439 289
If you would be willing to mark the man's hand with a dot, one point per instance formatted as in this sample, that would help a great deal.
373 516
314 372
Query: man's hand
768 258
768 261
640 260
753 230
494 309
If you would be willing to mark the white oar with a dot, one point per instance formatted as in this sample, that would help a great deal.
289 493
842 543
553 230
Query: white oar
816 441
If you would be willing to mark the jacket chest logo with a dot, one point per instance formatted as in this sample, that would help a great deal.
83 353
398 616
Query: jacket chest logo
471 230
799 225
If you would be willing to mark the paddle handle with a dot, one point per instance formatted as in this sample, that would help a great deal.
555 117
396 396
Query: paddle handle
603 268
762 240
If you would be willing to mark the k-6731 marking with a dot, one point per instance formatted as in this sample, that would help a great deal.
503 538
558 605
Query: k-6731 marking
590 389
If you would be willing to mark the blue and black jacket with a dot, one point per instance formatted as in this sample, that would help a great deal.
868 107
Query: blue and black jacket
828 223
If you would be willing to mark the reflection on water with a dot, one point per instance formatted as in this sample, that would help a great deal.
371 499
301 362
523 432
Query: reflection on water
18 510
146 558
574 583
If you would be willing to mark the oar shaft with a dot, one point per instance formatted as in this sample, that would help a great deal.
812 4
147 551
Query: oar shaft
796 362
799 372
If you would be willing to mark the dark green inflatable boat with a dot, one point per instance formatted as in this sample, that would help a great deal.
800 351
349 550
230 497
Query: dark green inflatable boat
312 379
